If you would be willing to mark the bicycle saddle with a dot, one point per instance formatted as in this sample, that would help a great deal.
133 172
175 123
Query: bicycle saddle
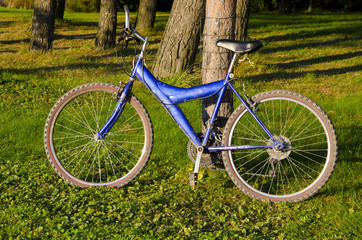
239 46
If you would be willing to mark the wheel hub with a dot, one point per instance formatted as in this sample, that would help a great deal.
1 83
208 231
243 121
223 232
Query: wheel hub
98 138
277 154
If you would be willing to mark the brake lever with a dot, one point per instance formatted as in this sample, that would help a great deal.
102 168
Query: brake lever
123 35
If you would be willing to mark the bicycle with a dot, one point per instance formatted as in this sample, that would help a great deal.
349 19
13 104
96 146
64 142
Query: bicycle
278 145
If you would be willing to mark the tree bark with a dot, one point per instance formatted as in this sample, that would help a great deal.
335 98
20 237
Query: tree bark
146 14
179 43
242 19
281 7
352 5
310 6
59 10
106 35
42 25
219 24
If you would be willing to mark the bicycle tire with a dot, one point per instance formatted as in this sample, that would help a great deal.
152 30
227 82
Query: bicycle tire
291 175
81 159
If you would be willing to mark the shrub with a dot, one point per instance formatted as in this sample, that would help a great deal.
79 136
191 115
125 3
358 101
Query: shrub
27 4
83 5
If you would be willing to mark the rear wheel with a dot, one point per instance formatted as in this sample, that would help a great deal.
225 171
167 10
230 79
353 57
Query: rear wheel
301 168
78 156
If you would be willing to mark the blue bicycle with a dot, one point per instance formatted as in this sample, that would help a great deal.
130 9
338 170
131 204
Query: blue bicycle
278 145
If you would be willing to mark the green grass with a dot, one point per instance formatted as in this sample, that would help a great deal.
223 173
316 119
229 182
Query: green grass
318 55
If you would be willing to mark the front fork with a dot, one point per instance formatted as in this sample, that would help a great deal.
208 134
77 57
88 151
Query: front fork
122 100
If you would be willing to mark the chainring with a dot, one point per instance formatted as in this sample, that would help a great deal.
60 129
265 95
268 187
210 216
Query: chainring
212 160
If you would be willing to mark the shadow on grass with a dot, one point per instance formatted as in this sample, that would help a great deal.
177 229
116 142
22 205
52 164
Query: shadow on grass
46 70
6 24
308 28
82 24
9 42
76 36
265 77
323 59
8 51
349 142
266 19
302 46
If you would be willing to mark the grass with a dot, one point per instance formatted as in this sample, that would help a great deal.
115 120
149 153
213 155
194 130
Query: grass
318 55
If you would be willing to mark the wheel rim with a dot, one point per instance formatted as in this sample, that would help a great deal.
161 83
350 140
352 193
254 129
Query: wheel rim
80 155
290 173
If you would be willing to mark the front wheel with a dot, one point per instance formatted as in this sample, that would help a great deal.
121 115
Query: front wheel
75 152
299 170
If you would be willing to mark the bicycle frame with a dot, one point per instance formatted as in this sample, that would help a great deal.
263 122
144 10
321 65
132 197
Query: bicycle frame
170 96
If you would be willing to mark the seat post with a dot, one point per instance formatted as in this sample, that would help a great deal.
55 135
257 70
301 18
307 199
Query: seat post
232 63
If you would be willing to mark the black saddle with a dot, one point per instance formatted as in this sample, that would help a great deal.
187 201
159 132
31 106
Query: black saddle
239 46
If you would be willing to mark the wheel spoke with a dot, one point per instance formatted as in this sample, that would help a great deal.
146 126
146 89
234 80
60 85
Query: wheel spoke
250 139
81 111
126 149
92 110
78 174
84 149
72 149
252 167
72 130
296 162
247 155
312 144
256 128
312 136
303 122
308 158
79 118
117 157
111 153
249 131
308 151
295 176
79 124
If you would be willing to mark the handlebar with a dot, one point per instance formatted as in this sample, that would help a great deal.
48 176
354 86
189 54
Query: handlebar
126 12
129 29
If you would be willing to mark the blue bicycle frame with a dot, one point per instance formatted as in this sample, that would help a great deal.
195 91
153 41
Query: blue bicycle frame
170 96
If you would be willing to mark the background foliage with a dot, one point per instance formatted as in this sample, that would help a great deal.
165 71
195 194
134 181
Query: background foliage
165 5
319 55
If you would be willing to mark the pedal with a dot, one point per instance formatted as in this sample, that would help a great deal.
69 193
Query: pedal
193 179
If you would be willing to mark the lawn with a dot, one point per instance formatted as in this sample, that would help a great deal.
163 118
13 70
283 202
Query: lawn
318 55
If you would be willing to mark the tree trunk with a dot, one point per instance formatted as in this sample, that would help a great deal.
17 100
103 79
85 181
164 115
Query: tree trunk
281 7
219 24
146 14
59 10
106 35
310 5
42 25
179 43
352 5
242 19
